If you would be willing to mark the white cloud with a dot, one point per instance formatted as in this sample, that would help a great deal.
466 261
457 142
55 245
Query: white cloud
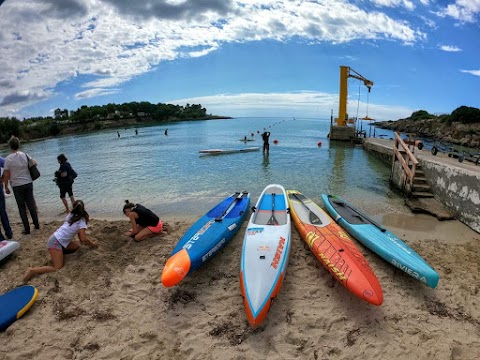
95 92
304 103
450 48
104 43
463 10
473 72
396 3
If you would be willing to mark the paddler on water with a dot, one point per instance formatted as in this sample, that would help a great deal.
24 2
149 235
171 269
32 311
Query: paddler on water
266 145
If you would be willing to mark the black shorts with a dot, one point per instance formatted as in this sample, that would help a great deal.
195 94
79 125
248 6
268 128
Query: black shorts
66 189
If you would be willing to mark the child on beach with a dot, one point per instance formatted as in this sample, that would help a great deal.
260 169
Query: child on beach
144 222
62 240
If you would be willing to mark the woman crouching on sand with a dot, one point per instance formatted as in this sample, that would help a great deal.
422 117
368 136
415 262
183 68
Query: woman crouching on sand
62 241
144 222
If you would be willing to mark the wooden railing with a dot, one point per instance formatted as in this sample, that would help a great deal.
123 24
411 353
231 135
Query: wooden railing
402 153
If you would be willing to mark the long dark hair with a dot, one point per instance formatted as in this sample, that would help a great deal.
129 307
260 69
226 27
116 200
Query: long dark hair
128 205
78 212
62 158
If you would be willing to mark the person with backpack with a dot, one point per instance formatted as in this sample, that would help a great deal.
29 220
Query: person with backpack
64 177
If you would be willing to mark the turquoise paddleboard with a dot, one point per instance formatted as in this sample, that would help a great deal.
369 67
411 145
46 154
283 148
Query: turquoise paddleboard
380 240
14 303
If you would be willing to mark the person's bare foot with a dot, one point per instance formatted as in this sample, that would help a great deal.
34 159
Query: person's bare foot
28 275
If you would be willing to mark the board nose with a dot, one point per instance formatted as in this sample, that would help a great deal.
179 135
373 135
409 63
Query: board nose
176 268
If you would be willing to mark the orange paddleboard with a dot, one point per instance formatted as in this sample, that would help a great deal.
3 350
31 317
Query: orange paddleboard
333 247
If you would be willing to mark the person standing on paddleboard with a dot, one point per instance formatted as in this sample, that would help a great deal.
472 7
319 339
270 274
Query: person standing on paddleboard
266 145
144 222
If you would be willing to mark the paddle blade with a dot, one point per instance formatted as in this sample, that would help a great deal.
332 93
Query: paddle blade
272 220
176 268
314 219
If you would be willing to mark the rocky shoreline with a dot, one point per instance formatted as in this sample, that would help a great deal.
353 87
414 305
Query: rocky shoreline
467 135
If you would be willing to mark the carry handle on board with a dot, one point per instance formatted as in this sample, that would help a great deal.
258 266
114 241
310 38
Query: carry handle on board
273 219
360 214
238 196
314 219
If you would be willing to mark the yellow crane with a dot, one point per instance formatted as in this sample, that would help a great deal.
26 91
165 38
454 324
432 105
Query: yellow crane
347 72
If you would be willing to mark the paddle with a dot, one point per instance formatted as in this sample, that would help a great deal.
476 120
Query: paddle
312 217
230 206
359 214
272 220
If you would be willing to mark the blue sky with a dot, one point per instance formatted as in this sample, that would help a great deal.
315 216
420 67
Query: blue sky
240 58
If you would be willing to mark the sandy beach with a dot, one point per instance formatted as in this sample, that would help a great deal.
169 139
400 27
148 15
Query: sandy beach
108 303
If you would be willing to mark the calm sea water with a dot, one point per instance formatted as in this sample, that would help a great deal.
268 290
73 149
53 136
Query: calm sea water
168 175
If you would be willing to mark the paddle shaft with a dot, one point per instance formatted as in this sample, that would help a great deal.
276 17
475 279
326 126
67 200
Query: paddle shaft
229 207
370 220
272 218
314 219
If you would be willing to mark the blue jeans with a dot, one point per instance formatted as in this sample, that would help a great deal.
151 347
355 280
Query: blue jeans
4 216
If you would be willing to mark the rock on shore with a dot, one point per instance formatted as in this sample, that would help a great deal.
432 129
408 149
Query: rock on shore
456 133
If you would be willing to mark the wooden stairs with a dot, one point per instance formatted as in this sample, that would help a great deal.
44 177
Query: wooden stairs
419 194
420 186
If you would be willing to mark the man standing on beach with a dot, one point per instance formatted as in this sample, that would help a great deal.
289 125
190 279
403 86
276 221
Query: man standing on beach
3 211
266 145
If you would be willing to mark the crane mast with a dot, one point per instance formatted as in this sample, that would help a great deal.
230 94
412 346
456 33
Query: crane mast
345 73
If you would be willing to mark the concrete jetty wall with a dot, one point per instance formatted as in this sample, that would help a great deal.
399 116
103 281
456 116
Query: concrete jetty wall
456 185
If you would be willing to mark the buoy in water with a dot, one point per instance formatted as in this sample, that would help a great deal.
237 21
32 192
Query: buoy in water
275 141
319 143
258 131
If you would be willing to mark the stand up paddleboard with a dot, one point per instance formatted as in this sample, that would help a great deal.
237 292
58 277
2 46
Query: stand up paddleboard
206 237
332 246
7 247
14 303
381 241
265 253
228 151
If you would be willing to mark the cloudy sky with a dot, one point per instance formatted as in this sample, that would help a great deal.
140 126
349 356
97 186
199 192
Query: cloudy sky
240 58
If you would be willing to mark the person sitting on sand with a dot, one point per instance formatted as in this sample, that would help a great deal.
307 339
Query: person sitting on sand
144 222
62 241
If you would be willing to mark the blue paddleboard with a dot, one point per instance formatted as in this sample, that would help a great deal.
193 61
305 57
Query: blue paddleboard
206 237
14 303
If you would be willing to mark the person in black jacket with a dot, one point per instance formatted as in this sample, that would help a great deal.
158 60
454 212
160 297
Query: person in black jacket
64 180
144 222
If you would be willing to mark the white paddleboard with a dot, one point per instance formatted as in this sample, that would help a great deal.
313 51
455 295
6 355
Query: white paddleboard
7 247
265 253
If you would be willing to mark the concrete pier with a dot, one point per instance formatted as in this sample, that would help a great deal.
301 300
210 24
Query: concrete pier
454 184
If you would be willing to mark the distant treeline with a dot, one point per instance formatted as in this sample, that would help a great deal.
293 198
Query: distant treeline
463 114
93 117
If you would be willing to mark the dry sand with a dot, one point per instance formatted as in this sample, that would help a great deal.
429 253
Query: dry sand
108 303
